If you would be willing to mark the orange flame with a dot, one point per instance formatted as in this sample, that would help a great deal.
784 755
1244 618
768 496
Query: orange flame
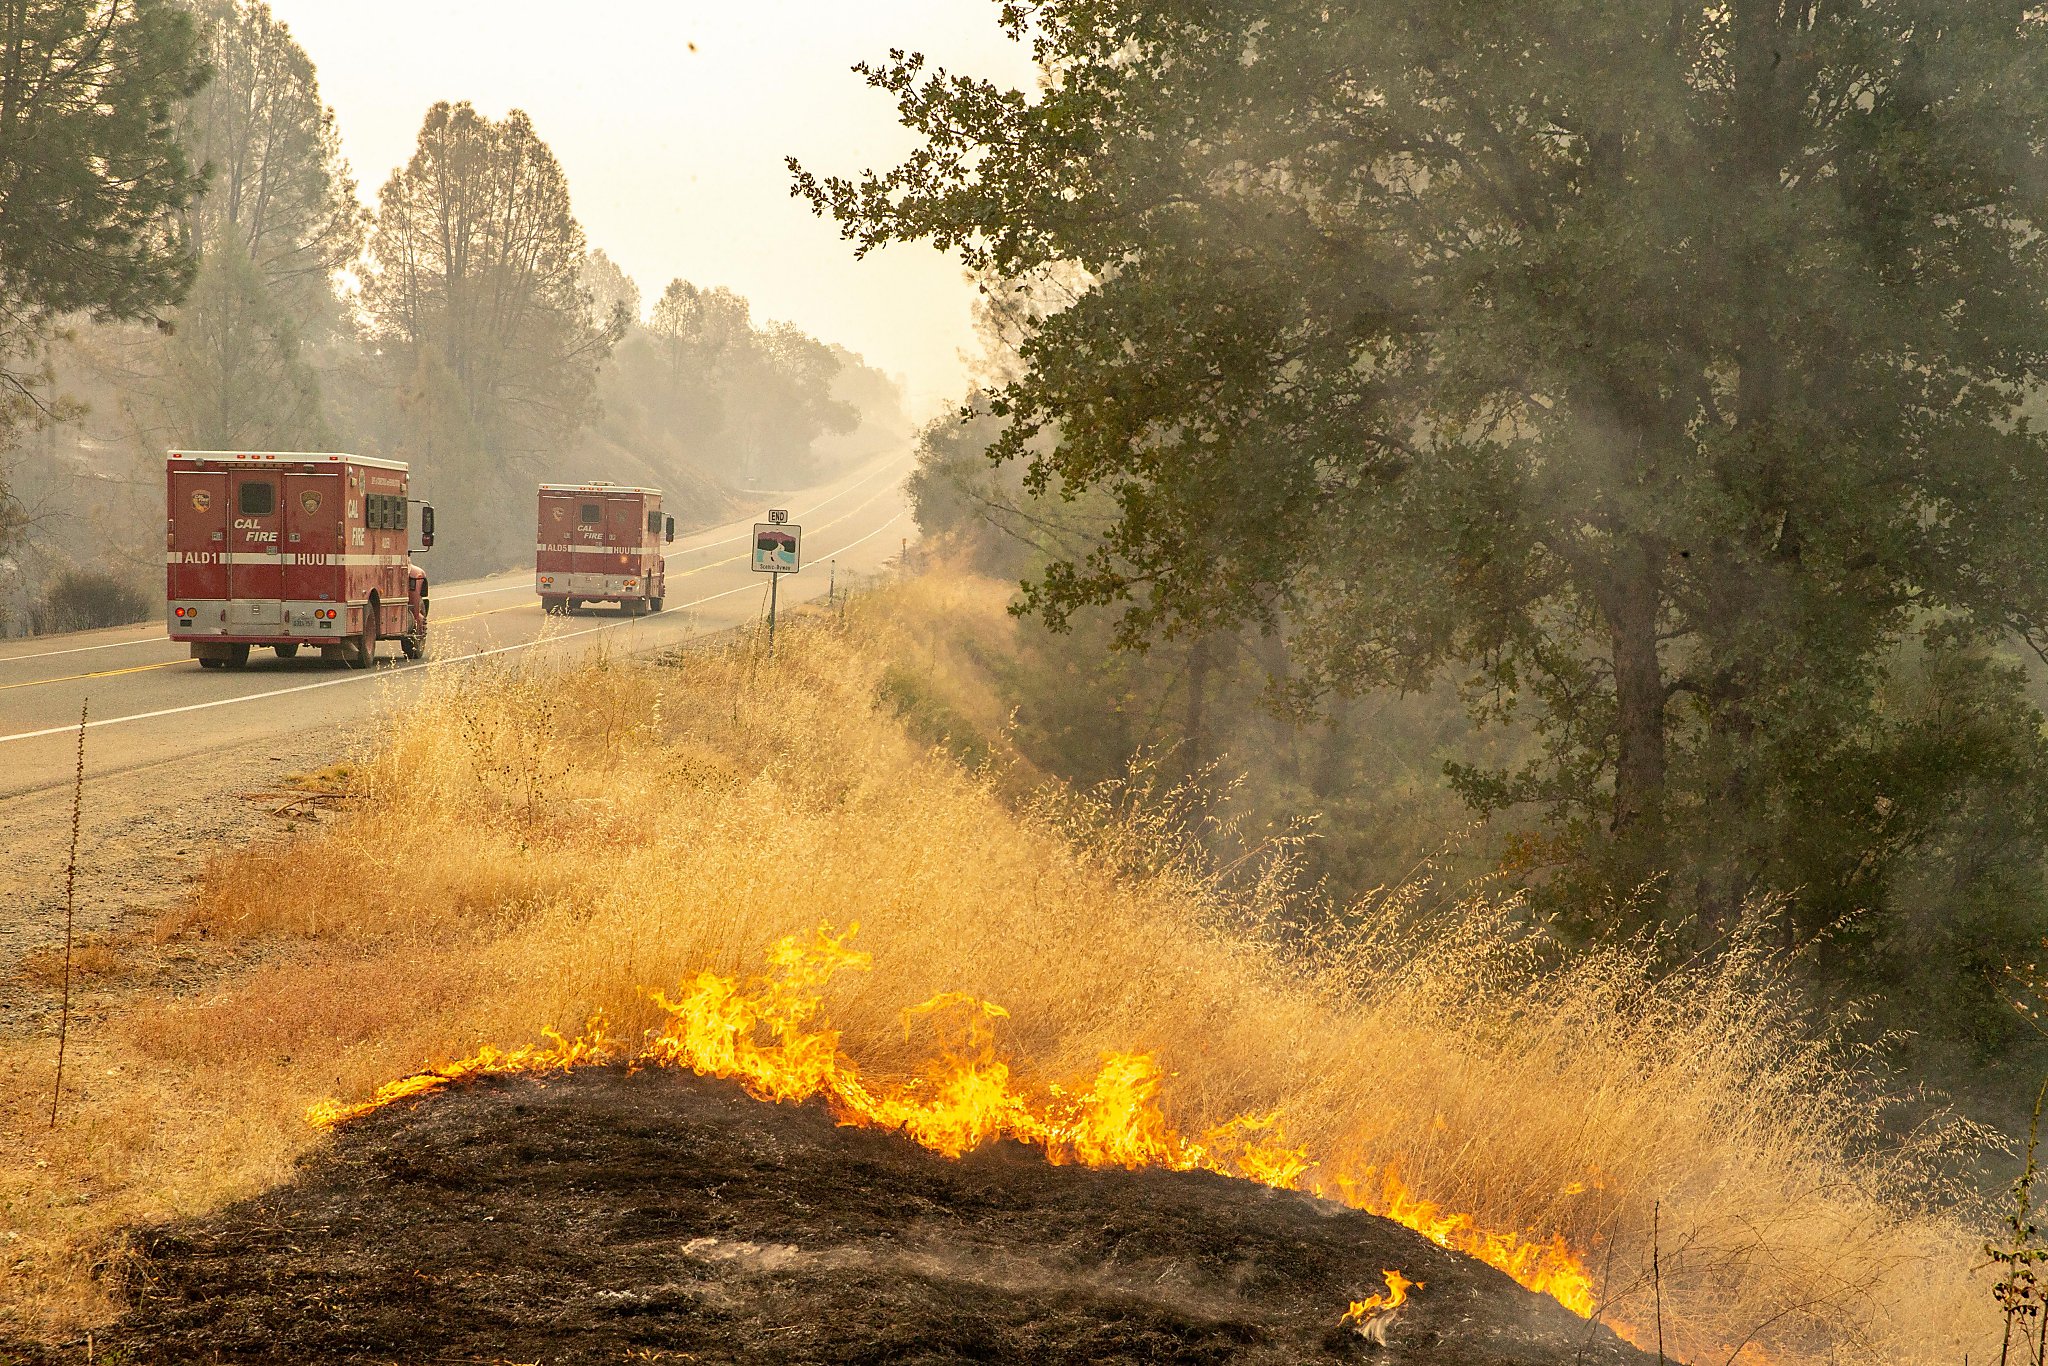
769 1035
1550 1268
560 1054
1366 1310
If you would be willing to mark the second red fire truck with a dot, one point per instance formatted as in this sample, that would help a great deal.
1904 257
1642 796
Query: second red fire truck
601 542
288 549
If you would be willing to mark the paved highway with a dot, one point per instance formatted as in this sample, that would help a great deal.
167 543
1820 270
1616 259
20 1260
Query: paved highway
152 705
182 762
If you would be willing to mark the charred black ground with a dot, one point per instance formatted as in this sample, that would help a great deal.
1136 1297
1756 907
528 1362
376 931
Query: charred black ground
605 1217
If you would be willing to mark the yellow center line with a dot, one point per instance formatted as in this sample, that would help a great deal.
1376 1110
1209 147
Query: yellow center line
103 673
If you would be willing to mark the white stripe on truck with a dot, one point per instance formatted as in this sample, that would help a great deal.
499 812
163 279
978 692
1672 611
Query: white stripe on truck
231 558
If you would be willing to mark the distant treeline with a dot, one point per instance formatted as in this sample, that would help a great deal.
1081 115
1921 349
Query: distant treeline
242 295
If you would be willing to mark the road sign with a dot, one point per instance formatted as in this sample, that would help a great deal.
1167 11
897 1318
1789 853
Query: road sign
778 516
777 549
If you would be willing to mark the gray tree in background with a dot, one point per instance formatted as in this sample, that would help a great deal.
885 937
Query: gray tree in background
614 297
749 400
279 188
279 219
476 292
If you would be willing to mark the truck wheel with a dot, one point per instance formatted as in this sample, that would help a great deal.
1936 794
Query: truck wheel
414 642
286 651
575 604
554 606
205 663
238 657
655 605
366 647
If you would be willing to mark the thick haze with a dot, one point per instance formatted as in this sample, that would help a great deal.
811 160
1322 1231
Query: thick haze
674 156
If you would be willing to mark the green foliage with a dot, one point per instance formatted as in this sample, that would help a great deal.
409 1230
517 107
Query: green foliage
957 494
278 186
92 177
278 219
930 718
1366 771
233 375
1654 373
2018 1291
92 172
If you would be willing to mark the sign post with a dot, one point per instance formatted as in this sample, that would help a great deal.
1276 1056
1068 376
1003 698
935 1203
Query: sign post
778 550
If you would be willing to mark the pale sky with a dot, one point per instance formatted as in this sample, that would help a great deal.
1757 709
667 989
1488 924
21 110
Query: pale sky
674 157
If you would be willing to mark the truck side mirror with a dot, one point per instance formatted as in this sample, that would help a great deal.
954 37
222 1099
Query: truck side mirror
671 528
426 526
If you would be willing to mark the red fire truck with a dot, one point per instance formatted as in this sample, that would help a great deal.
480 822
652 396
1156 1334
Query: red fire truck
291 548
601 542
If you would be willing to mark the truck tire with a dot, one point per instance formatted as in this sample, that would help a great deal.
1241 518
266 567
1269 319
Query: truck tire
366 645
206 663
286 651
238 657
655 605
414 642
554 606
575 605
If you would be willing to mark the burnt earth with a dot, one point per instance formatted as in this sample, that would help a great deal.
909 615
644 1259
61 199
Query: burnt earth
657 1216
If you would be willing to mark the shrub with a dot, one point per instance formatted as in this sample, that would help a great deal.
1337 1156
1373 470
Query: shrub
87 599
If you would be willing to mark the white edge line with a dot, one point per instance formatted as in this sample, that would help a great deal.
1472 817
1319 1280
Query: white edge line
81 649
368 675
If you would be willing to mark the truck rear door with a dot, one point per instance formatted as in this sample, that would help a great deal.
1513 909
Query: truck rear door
196 558
255 565
314 516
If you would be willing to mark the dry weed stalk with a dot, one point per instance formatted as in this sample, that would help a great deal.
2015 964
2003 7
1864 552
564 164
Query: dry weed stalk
2019 1292
70 910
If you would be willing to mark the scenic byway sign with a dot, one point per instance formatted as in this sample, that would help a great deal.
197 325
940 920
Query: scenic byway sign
777 549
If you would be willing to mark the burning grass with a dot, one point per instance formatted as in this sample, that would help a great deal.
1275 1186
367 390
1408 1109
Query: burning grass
530 850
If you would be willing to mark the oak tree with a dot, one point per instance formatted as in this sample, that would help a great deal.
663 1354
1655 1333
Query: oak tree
1656 369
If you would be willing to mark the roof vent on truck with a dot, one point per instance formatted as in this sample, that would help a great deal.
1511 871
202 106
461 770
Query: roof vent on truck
288 458
599 486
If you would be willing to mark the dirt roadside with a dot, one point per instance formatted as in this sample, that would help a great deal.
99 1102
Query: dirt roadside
145 834
608 1216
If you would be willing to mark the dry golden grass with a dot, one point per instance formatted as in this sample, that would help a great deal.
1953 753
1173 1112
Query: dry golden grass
533 847
92 960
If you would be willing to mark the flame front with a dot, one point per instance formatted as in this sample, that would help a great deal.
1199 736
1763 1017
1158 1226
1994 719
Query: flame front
768 1034
1366 1310
1551 1267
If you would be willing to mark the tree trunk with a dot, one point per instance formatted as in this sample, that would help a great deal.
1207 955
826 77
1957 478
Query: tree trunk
1192 751
1632 604
1760 135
